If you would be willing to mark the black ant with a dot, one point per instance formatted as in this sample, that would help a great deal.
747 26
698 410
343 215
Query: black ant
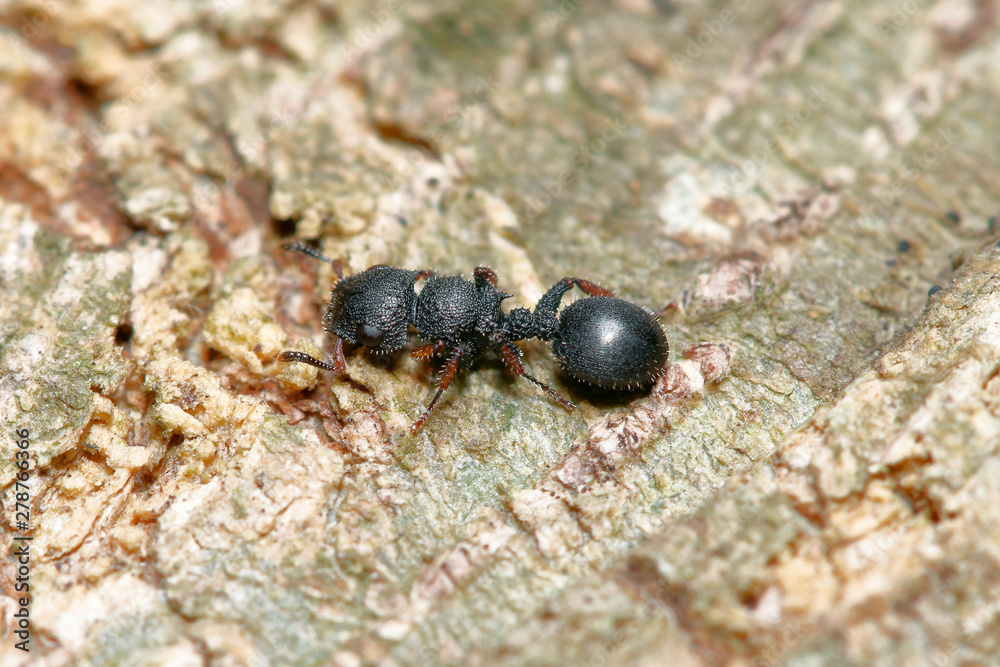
602 340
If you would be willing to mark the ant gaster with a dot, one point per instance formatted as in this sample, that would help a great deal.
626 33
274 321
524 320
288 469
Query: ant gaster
602 340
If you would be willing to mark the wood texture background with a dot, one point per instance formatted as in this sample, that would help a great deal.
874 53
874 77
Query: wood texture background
795 177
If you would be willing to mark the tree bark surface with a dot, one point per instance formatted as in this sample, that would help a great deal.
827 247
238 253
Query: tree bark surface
813 187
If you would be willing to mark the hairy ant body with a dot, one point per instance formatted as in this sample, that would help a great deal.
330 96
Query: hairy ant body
602 340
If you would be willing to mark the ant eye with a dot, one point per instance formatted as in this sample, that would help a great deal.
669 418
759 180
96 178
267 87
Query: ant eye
370 336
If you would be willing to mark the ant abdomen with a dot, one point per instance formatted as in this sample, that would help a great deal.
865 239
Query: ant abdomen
610 343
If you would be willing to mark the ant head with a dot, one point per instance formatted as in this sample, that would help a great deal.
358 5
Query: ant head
373 308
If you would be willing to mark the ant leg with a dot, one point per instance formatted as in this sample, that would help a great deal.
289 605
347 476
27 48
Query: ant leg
593 289
550 302
447 375
338 356
662 312
511 355
339 365
338 266
546 325
487 274
429 350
